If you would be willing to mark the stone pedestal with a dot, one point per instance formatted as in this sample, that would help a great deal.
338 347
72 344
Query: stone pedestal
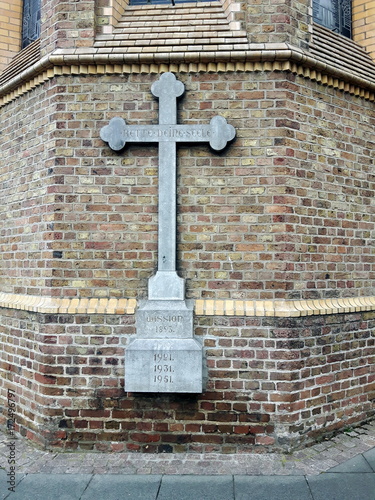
165 356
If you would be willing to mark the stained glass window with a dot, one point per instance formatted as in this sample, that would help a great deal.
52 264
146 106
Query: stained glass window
30 22
335 15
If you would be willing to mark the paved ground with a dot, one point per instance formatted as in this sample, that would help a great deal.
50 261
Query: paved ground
342 468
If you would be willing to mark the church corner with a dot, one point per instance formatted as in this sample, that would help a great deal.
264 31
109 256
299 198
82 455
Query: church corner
187 241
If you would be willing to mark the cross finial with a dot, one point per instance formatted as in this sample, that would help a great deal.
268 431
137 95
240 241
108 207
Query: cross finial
167 89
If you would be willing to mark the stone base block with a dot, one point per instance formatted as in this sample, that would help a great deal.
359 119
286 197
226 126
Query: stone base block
164 365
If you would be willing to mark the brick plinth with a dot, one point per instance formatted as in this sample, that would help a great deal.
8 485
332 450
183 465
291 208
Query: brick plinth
273 383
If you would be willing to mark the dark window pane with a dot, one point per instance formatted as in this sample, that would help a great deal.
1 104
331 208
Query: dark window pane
31 21
335 15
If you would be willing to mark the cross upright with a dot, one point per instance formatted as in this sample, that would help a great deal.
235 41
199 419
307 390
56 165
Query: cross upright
166 284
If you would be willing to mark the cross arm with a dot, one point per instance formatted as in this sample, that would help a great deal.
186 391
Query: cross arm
218 133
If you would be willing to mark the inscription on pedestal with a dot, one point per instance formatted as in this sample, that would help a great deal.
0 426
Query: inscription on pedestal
164 365
159 319
163 368
164 325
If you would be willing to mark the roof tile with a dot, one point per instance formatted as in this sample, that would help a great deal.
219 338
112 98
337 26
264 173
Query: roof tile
184 28
341 52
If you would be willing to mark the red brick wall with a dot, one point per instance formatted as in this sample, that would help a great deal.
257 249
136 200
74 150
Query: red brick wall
273 383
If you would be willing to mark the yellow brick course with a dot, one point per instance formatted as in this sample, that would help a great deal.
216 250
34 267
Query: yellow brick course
10 33
363 24
203 307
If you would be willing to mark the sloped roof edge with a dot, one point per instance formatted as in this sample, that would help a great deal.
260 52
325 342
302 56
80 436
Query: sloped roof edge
284 53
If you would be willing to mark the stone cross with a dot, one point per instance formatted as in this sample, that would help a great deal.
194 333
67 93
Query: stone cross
166 284
165 356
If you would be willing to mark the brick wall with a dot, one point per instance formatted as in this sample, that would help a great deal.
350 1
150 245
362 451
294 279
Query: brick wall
66 25
108 13
283 213
27 193
273 383
270 22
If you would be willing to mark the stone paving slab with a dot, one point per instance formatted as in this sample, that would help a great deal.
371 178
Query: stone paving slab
327 486
370 458
196 487
3 483
349 486
271 487
43 487
116 487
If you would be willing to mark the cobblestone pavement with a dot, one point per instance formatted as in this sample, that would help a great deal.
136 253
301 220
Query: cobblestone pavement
309 461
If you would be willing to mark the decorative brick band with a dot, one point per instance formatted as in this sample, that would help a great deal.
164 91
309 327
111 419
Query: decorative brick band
283 308
263 57
51 305
203 307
